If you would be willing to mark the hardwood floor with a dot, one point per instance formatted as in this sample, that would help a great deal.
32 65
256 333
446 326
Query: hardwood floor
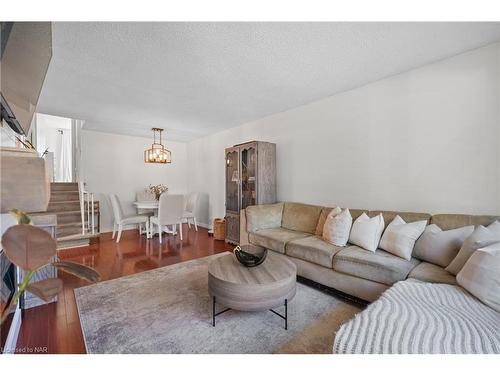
55 328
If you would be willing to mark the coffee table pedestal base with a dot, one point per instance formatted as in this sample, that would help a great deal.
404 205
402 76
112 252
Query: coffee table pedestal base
214 314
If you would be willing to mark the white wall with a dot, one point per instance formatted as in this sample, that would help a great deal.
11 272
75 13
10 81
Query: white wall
425 140
115 164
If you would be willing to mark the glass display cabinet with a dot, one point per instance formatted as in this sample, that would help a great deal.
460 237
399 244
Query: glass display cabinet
250 180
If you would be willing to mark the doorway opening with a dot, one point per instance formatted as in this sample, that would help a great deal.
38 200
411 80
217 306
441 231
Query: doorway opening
54 140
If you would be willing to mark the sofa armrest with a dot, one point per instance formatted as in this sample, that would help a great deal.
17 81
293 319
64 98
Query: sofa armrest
264 216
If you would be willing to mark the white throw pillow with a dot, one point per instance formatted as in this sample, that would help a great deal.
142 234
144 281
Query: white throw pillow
399 237
337 227
366 231
480 275
480 237
439 246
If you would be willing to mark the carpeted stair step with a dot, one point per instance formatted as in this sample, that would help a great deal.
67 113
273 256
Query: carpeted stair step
65 203
64 186
65 217
76 240
66 230
61 206
64 195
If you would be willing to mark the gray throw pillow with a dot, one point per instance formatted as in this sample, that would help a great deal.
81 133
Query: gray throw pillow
481 237
440 247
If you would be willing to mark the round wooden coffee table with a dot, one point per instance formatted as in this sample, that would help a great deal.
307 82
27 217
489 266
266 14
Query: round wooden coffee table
264 287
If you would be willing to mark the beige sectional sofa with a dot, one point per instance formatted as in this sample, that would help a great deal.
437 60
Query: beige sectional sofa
294 231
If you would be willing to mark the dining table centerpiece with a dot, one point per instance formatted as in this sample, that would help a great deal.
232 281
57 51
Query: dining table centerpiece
157 190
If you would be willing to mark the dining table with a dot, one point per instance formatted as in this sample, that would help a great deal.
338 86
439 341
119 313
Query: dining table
147 205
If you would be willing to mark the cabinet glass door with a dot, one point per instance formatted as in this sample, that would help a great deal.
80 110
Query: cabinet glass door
232 181
248 176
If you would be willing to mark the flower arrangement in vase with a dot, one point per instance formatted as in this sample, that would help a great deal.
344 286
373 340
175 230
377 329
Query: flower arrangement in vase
157 190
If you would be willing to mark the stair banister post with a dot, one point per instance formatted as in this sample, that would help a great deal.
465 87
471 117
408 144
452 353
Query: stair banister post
82 204
93 214
88 210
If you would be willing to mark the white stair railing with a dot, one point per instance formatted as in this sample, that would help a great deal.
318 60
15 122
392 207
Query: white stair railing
87 209
81 190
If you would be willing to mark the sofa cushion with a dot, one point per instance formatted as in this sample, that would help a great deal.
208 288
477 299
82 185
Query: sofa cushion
264 216
301 217
408 217
440 247
313 249
452 221
337 227
321 221
431 273
355 213
366 232
274 238
399 237
480 237
480 276
379 266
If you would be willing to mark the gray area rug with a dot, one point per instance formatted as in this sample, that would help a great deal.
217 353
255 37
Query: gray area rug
168 310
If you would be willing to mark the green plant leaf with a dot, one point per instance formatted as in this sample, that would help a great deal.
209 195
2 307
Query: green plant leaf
79 270
28 247
46 289
21 217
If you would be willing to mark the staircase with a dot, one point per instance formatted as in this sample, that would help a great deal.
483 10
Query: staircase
65 203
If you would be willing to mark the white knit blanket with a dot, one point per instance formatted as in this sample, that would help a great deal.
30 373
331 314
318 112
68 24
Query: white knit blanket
424 318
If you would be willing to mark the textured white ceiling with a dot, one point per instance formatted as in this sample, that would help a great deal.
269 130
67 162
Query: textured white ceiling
194 79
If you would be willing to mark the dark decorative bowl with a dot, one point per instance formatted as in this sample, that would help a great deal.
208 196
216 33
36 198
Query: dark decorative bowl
249 255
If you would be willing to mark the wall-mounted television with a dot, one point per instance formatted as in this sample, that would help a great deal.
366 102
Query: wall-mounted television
26 50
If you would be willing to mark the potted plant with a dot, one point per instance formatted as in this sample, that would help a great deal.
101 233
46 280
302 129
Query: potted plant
31 248
157 190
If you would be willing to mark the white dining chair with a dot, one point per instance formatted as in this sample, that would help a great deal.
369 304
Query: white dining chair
145 196
170 210
121 220
189 209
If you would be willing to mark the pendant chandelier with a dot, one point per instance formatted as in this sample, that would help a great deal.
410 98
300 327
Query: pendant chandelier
157 153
